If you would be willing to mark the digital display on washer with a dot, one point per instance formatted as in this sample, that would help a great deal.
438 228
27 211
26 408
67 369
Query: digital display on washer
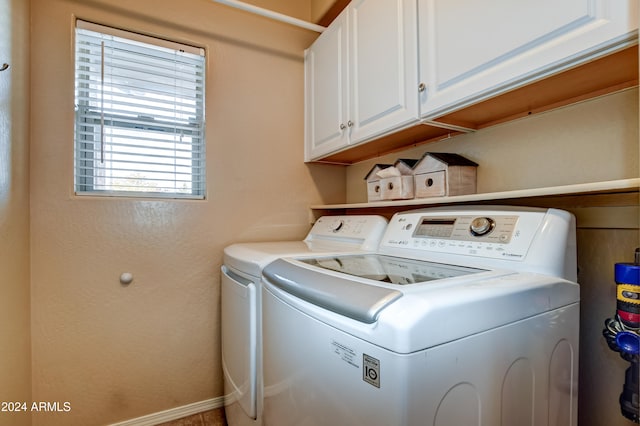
435 227
389 269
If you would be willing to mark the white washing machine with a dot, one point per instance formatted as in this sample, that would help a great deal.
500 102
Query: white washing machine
241 308
466 316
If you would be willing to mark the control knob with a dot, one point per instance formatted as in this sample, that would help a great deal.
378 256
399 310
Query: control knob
482 226
336 225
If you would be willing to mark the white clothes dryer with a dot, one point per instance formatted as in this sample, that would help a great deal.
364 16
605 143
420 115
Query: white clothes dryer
465 316
241 307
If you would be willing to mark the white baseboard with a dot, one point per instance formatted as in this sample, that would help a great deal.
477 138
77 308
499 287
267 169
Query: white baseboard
174 413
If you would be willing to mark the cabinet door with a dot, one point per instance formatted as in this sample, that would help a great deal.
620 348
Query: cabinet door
472 50
326 91
383 66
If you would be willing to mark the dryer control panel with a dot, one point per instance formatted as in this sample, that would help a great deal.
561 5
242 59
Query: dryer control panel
362 231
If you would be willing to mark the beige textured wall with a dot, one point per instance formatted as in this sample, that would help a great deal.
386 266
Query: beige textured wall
587 142
298 9
15 345
319 8
117 352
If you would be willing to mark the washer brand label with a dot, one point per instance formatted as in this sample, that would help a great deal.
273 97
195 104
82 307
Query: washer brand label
511 255
371 370
347 354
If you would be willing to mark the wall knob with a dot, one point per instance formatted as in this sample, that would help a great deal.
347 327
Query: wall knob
126 278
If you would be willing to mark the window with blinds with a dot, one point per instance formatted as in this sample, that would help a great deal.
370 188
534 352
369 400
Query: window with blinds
139 115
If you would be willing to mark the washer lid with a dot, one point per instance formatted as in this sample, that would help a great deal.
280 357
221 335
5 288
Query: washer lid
389 269
431 311
344 296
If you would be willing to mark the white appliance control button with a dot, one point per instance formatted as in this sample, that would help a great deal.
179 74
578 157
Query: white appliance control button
481 226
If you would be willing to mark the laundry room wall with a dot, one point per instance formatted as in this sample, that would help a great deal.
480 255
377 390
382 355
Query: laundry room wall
119 352
15 335
319 8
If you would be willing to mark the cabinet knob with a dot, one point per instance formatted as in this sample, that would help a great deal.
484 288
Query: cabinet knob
342 126
422 87
350 123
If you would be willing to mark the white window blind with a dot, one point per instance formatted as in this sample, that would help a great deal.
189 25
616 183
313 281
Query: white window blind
139 122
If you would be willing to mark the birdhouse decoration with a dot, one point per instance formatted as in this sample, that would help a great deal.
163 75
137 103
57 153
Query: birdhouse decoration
396 182
439 174
374 191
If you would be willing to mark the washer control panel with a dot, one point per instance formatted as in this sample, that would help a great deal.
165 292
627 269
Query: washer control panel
492 234
495 229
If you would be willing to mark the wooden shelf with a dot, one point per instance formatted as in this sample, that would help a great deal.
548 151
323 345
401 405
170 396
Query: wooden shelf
611 73
403 139
624 192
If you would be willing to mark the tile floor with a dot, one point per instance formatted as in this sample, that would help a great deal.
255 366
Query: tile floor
208 418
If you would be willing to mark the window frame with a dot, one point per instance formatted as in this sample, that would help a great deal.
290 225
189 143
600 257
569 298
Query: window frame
88 117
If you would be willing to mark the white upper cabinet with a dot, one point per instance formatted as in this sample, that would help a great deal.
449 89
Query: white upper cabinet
327 91
361 76
384 66
472 50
